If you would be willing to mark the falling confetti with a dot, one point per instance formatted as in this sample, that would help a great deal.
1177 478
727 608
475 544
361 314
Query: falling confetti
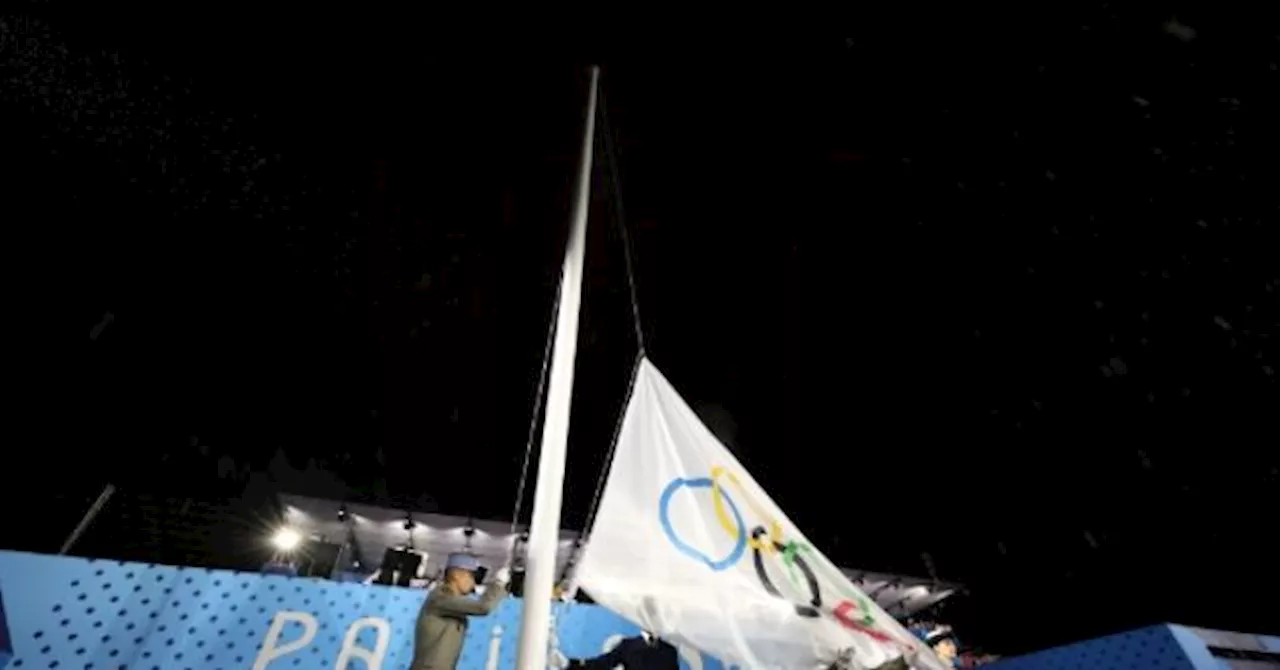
140 119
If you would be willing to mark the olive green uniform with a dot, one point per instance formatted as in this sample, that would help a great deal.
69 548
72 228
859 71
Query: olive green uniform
442 625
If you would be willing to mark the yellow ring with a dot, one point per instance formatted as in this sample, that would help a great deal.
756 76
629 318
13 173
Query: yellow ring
728 524
717 498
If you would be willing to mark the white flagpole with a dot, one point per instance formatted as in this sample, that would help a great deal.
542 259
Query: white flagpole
544 531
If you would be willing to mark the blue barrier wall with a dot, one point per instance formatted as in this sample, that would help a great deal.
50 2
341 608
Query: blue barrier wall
1163 647
72 613
1151 648
6 649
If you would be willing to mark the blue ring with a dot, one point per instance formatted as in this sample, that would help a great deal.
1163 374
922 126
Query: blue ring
664 517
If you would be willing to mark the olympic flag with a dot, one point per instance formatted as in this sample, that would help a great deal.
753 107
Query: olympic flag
687 545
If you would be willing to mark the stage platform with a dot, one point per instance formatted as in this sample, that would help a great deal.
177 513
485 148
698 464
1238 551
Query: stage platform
369 530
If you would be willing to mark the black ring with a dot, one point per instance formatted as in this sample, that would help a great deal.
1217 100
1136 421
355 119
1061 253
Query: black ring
808 611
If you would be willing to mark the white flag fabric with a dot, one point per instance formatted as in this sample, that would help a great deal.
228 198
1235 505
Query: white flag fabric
688 546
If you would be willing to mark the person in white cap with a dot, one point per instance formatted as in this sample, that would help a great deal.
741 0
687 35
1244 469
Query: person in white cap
442 623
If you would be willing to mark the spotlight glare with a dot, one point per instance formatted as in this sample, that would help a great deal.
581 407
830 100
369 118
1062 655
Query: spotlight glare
286 539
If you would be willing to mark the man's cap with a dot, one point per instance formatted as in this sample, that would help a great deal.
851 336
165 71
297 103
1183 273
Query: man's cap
462 562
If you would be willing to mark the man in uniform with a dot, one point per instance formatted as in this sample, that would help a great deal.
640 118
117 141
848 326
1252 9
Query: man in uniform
442 623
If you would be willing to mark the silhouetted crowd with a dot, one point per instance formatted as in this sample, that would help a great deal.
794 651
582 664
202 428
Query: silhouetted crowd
944 643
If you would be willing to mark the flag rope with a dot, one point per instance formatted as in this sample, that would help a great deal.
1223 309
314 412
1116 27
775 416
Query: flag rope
613 447
611 159
538 397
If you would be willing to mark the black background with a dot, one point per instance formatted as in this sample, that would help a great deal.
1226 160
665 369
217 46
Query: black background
1001 289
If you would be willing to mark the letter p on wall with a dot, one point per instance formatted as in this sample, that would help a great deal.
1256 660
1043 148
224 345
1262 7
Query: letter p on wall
271 647
371 658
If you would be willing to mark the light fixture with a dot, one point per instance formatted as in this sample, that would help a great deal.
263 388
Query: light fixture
286 539
342 513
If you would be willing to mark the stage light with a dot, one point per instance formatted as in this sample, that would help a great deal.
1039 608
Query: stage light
286 539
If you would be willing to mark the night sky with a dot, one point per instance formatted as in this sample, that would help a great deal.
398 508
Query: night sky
1003 293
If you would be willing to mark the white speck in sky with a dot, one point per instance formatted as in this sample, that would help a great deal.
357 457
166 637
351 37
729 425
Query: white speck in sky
1179 30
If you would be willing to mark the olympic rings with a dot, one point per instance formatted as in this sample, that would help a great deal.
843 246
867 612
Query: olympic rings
718 497
815 593
664 517
761 540
854 613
